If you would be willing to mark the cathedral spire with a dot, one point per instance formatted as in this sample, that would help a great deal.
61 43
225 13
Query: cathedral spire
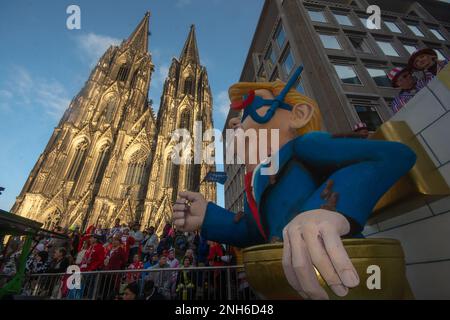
190 51
139 38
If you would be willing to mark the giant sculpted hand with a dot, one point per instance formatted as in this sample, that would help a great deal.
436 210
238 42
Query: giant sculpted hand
189 211
313 239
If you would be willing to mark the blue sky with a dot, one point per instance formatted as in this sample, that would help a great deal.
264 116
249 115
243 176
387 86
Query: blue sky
44 65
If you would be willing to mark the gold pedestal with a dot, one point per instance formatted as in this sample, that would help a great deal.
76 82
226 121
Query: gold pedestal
266 276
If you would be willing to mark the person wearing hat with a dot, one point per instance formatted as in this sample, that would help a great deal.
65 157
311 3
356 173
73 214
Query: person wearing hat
426 62
402 78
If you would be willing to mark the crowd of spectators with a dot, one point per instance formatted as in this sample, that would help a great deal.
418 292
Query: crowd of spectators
128 248
423 66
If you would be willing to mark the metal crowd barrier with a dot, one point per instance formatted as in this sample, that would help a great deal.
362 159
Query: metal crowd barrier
200 283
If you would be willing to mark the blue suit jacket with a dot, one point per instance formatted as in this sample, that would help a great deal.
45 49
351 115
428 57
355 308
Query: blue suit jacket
362 171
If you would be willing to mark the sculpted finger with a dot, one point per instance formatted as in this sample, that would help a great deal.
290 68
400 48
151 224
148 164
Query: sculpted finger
179 223
178 215
190 196
322 262
287 265
339 257
180 201
303 267
180 207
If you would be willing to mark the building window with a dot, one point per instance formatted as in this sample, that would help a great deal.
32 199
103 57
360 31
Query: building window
280 36
415 29
363 21
270 57
275 75
122 75
288 62
77 162
410 48
437 34
368 115
299 86
188 86
380 77
393 27
262 76
440 56
330 41
343 19
185 120
387 48
134 79
100 166
317 16
134 173
360 44
347 74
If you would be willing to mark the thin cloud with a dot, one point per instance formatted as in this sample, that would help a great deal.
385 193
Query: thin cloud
94 45
23 89
183 3
222 104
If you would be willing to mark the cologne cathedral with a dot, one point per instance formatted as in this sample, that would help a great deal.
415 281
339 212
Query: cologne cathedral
110 156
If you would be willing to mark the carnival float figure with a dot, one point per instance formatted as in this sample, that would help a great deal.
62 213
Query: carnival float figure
325 189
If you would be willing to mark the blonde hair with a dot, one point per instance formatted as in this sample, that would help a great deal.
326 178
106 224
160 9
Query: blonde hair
238 90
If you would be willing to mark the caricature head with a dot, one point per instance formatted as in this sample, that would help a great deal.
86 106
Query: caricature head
297 115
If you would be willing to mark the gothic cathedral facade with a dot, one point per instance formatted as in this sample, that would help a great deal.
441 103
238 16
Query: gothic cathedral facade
110 157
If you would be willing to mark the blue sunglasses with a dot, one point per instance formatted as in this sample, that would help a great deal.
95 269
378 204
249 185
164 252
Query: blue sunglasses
251 102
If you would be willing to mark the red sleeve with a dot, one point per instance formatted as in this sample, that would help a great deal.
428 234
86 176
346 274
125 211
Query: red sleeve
97 258
212 253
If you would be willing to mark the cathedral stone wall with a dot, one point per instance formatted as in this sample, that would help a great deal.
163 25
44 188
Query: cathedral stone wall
109 157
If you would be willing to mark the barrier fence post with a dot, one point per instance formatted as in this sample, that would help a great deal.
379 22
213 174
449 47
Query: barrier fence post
94 292
228 284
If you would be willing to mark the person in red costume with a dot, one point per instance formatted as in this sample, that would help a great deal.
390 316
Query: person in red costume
86 236
115 258
94 257
215 260
215 254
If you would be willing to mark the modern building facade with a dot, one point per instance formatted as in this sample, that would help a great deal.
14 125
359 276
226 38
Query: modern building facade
108 156
345 62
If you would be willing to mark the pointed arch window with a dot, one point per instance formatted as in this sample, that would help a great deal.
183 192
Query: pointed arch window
168 172
188 86
100 166
136 168
134 79
135 172
77 161
185 119
124 70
